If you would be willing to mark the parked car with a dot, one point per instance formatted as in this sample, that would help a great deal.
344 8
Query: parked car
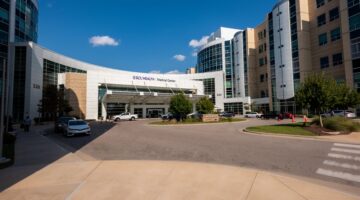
252 115
341 113
61 122
76 127
125 116
194 115
168 116
227 114
271 115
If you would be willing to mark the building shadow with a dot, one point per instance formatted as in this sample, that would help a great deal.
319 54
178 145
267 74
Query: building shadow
41 146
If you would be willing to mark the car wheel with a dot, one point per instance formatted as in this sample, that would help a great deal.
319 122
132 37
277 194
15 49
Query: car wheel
117 119
133 118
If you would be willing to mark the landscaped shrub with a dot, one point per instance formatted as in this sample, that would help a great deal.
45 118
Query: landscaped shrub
338 124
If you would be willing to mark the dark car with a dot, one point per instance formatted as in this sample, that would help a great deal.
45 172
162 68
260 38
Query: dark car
227 114
271 115
168 116
60 123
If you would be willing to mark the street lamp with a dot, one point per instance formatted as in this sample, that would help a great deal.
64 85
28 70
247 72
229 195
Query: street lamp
2 113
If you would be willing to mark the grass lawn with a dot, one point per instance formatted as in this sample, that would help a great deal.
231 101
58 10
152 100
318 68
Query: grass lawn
222 120
288 129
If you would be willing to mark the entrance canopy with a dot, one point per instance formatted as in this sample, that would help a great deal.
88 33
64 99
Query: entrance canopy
144 97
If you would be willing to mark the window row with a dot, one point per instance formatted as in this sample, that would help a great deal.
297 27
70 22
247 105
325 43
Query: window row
262 34
262 48
263 61
333 14
337 59
335 35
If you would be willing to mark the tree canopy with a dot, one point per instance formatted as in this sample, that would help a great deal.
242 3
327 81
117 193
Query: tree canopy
180 106
205 106
319 93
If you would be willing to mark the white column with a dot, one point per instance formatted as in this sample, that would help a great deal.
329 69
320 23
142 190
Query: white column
194 107
103 110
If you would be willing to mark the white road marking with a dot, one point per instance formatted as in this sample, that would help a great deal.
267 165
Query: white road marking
345 150
347 145
343 165
341 156
337 174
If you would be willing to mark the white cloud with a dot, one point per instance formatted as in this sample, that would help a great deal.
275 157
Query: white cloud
103 41
155 72
179 58
194 53
198 43
174 72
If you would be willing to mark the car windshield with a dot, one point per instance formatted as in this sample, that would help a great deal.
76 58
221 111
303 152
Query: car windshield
75 123
66 119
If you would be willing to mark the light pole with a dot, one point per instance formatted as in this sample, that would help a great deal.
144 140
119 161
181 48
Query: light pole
2 113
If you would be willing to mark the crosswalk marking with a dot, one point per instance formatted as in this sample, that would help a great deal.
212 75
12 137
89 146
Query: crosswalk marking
337 174
343 165
341 156
345 150
343 162
347 145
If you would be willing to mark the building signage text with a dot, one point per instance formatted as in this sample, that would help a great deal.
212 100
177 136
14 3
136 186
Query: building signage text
147 78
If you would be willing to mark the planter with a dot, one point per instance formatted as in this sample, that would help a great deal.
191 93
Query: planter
210 118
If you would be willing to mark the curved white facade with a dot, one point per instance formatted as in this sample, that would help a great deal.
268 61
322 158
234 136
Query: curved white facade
283 51
97 76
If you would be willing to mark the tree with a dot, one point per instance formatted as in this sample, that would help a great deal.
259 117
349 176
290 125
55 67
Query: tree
319 93
53 103
180 106
345 97
205 106
49 102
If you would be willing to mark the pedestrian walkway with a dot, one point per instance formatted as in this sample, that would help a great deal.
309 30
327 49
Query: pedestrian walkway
343 162
32 153
162 180
44 170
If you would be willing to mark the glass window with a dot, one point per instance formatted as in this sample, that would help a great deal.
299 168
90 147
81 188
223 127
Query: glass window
334 14
354 22
320 3
321 20
324 62
355 48
335 34
337 59
322 39
262 78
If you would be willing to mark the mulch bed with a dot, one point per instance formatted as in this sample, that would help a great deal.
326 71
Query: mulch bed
322 131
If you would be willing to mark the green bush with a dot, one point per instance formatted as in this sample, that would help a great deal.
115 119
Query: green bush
338 124
191 120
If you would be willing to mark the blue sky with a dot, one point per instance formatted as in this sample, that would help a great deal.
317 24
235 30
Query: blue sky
140 35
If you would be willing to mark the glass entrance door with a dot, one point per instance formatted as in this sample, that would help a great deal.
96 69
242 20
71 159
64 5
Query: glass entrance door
154 112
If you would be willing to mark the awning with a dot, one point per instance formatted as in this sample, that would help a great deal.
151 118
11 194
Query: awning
144 97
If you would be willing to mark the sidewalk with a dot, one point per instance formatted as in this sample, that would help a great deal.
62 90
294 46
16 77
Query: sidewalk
32 153
44 170
351 138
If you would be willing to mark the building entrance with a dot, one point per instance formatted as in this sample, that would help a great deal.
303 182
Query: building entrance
154 112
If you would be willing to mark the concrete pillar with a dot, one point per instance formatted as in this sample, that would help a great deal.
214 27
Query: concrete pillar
194 107
131 108
144 112
103 110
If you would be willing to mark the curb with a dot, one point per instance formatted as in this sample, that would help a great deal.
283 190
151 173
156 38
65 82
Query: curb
195 124
313 138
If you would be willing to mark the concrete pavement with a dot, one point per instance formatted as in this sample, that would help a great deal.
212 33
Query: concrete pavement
46 170
162 180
